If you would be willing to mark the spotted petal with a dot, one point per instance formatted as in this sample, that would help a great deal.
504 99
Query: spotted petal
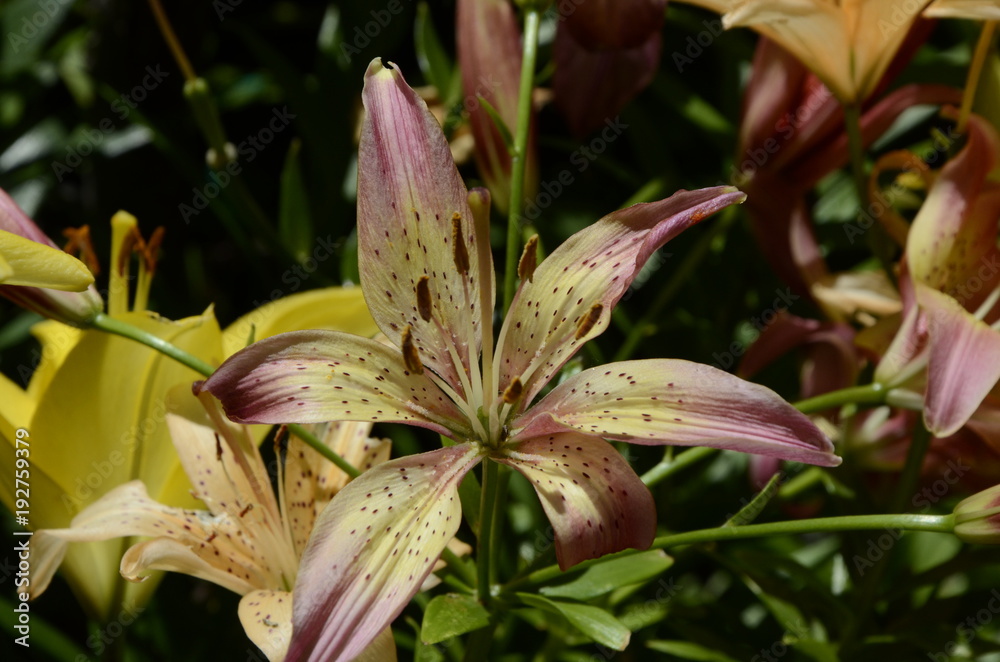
667 401
964 362
592 497
267 619
408 193
372 548
592 268
951 235
316 376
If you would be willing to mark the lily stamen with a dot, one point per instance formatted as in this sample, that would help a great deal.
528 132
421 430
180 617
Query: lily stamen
424 298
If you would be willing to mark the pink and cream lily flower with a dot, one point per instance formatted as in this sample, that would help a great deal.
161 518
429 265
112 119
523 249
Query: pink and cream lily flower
427 274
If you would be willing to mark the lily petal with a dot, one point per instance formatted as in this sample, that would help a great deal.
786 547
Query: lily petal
964 362
668 401
317 376
594 500
372 548
409 192
28 263
267 619
311 480
586 276
947 240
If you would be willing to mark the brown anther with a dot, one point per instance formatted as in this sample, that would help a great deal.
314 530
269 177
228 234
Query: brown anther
529 260
279 437
589 319
513 392
152 249
410 356
458 247
424 298
78 243
246 510
132 242
218 447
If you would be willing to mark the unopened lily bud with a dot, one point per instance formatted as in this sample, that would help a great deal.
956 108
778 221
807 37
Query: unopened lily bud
37 275
977 518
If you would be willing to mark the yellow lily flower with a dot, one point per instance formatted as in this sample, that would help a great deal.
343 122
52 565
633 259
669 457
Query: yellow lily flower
94 409
848 44
38 276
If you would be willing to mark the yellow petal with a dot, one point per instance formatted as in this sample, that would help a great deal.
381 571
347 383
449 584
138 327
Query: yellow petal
28 263
267 619
334 308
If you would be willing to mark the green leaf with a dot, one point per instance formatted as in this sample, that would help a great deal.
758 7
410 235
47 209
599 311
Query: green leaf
611 574
689 651
434 62
450 615
294 220
592 621
508 139
755 507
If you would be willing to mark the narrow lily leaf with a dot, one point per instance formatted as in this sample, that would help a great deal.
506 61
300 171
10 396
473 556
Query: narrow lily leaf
749 512
372 548
594 500
295 223
609 575
317 376
267 619
687 650
594 622
410 200
508 139
667 401
964 362
570 298
450 615
434 62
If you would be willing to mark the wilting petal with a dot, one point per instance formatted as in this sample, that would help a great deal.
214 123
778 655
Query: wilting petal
408 193
964 362
596 503
585 277
267 619
666 401
947 241
311 480
372 548
488 41
592 87
317 376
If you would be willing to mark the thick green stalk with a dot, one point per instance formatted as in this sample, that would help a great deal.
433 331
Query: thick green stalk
873 394
119 328
909 522
488 504
518 159
667 468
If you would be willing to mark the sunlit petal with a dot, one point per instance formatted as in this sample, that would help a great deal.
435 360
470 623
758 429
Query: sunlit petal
569 301
666 401
409 192
317 376
372 548
267 619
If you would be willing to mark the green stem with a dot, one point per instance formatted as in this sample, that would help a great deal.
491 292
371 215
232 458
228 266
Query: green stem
873 394
680 278
908 522
488 504
667 468
906 486
459 567
518 159
124 329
